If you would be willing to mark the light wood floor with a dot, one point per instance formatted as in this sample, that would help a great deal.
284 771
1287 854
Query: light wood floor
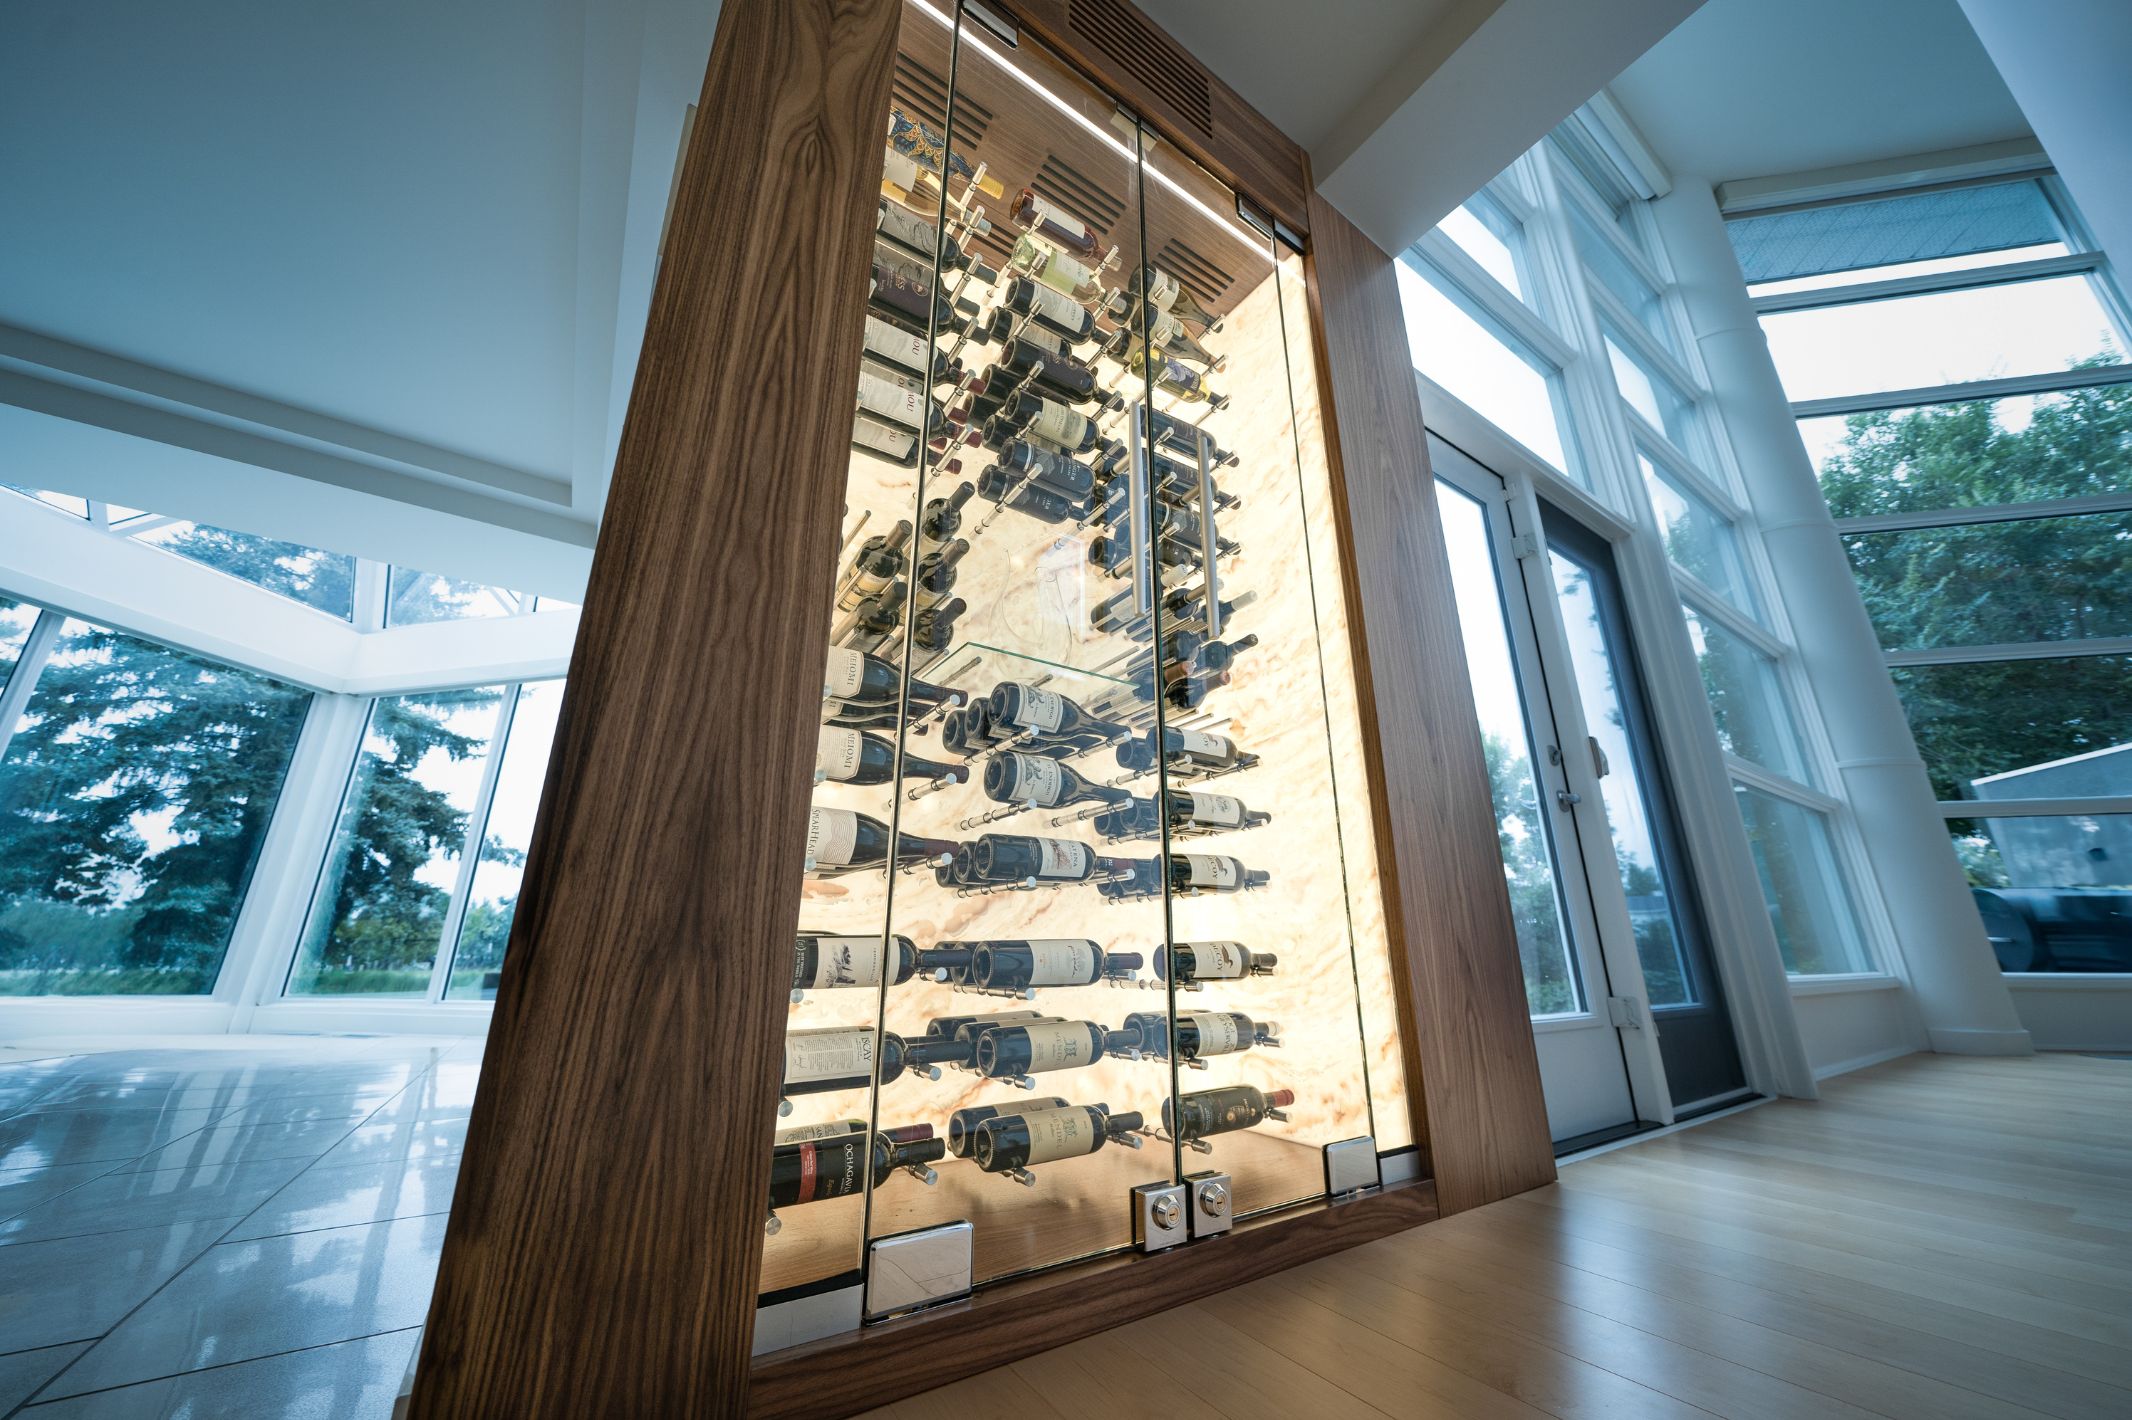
1939 1238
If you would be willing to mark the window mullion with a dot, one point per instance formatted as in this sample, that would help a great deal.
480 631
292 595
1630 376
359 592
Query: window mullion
1647 346
1684 471
1706 601
1474 282
1782 786
477 828
29 665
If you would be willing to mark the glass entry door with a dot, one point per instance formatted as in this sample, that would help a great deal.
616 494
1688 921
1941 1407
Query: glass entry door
1582 1064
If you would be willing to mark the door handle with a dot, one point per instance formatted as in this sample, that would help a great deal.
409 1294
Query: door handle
1599 765
1565 800
1208 542
1136 511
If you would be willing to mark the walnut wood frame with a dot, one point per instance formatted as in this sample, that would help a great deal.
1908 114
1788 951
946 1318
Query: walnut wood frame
605 1244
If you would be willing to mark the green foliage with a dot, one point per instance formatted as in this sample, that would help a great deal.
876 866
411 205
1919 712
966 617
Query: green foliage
1530 876
2042 579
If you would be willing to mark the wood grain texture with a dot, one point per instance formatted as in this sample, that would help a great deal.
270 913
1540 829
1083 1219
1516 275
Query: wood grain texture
1842 1258
1005 1323
1239 145
1462 997
605 1237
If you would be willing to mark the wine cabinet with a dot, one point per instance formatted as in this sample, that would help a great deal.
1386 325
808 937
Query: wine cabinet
1090 917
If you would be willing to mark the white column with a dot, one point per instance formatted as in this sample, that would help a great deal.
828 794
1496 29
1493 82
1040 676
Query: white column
1947 963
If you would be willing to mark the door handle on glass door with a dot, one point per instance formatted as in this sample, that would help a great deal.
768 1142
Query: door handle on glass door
1599 765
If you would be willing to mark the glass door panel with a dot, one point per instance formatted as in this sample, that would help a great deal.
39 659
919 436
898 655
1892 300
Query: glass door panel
1037 925
1268 1053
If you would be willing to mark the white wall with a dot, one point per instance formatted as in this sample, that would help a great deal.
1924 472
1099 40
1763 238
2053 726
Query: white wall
2072 1011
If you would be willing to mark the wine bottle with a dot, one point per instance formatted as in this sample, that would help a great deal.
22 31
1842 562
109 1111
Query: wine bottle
919 142
900 349
1030 416
962 1124
936 570
1182 435
962 1031
879 561
1011 1143
933 629
1192 616
1112 553
905 290
1052 222
1060 377
1048 308
855 678
1190 962
901 405
872 622
831 1058
1014 778
1019 459
1026 707
1009 1052
1204 1112
1165 293
1055 269
1190 811
806 1171
839 839
1194 873
1018 491
1199 1033
941 517
1044 962
825 963
873 435
1172 377
1190 647
1169 338
802 1133
855 757
918 237
1194 749
1002 858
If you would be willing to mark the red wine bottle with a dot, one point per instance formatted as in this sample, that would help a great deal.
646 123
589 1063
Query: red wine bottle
1008 1052
1013 778
1053 222
1019 459
1189 962
839 839
880 560
997 485
854 678
942 517
1185 749
822 963
1048 308
811 1170
933 629
1204 1112
1025 965
1033 416
1199 1033
1003 858
936 570
855 757
909 352
1189 810
1011 1143
1026 707
962 1124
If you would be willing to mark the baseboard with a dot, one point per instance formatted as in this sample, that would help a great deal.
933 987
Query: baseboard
1860 1062
1980 1042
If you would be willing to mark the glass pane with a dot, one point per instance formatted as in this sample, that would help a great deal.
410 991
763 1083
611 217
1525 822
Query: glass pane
1904 229
64 502
1580 169
1932 267
377 918
1754 719
415 597
2021 729
1986 584
1941 337
1614 272
1479 365
1975 453
1662 404
323 581
1701 541
1492 237
1804 885
486 927
2055 892
135 793
1659 935
1552 987
17 619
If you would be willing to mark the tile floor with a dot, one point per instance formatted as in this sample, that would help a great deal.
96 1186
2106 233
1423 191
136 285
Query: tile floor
244 1230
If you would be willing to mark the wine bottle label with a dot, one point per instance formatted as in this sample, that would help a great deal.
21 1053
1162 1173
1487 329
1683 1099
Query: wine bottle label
1061 961
833 1054
1179 378
1219 1033
1041 709
829 1170
809 1133
1060 1045
1060 1133
1063 858
1058 424
1193 742
905 226
883 397
882 437
900 169
832 834
1217 809
845 674
1041 212
1037 777
839 961
898 347
837 753
1207 870
1164 328
1162 289
1044 340
1062 273
1215 961
1057 307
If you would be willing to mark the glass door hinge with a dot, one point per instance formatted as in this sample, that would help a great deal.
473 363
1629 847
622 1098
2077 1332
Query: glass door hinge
1524 545
1626 1012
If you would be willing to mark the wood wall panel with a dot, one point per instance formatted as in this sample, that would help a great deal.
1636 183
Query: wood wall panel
1462 994
606 1232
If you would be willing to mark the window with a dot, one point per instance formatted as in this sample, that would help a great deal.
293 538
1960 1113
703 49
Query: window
1990 534
16 621
1754 720
378 916
1700 541
64 502
1803 883
1485 231
323 581
1615 274
1480 365
493 897
1657 400
135 791
416 597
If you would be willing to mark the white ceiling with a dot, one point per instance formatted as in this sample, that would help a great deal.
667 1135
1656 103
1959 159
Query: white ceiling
1757 88
399 248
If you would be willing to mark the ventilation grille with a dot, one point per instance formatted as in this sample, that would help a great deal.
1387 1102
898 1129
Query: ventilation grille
923 95
1079 194
1148 55
1194 272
